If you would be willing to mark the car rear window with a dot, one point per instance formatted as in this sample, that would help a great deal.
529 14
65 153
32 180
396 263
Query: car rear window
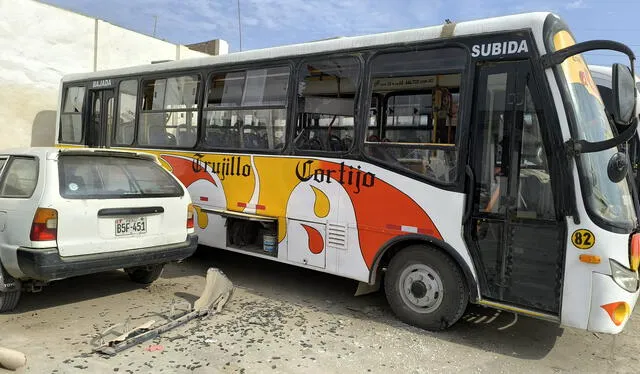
104 177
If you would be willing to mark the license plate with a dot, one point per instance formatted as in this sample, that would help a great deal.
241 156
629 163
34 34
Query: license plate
131 226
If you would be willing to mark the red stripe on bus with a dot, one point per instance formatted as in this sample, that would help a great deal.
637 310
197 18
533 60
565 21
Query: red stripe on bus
426 232
242 205
261 207
204 198
394 227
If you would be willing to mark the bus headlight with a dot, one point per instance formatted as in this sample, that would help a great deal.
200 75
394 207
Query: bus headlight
624 277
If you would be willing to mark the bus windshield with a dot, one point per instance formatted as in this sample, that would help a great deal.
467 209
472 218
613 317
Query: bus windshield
608 201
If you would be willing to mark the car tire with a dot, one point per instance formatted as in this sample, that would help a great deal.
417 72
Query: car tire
145 274
8 299
426 288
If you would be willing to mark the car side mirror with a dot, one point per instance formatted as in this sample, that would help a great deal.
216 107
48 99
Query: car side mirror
623 94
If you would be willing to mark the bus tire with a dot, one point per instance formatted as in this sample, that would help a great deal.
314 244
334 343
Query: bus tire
426 288
145 274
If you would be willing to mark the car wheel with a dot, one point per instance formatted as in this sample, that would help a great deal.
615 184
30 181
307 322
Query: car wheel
8 299
426 288
145 274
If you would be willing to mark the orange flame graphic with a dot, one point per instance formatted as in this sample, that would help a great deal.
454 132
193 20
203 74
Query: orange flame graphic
316 243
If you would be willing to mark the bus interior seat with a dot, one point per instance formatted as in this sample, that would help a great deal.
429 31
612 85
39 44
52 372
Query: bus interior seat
252 140
186 135
213 137
124 133
224 137
536 193
157 135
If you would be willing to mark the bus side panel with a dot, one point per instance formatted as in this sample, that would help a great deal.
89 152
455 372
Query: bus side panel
349 208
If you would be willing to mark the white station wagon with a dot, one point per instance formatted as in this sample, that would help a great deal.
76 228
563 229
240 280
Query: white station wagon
72 212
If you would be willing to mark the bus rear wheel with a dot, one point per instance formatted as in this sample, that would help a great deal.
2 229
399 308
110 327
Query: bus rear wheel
426 288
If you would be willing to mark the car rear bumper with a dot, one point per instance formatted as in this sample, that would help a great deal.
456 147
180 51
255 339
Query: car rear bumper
47 264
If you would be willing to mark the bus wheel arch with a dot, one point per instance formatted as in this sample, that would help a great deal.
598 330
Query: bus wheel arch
397 244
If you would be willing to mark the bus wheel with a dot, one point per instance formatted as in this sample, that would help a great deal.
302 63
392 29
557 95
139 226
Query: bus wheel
426 288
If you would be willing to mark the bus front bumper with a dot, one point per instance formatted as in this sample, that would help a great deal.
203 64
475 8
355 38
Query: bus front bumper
611 305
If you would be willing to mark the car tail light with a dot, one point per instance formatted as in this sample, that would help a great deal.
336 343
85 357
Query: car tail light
45 225
634 252
190 215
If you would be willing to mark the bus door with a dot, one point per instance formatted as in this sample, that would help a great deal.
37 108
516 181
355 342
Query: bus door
100 120
514 236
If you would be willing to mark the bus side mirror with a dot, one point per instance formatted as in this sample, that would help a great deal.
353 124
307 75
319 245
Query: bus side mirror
623 95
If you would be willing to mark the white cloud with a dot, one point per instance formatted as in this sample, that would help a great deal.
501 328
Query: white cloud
576 4
264 22
268 23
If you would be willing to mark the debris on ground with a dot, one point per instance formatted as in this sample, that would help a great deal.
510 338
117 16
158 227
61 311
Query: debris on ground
217 291
154 348
11 359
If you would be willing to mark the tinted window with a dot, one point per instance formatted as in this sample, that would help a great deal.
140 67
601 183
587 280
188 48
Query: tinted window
536 197
71 115
114 177
413 118
20 178
494 179
326 104
247 109
169 114
125 125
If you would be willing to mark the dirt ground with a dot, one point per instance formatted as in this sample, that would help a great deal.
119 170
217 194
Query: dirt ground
286 319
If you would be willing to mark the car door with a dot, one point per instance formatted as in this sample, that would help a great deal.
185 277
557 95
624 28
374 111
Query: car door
19 176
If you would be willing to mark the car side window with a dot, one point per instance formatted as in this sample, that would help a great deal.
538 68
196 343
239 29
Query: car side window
20 178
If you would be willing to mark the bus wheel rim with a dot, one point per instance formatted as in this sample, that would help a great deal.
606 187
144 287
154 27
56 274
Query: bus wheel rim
421 288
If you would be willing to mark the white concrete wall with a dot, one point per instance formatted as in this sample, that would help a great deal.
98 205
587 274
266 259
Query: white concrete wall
39 43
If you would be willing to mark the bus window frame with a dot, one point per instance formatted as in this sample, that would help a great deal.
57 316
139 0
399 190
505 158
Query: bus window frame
465 99
384 125
139 111
155 76
354 151
116 110
83 114
230 68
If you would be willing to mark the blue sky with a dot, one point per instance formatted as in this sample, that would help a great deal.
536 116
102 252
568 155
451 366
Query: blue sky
267 23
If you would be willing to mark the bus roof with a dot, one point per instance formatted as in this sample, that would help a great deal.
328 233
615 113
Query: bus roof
533 21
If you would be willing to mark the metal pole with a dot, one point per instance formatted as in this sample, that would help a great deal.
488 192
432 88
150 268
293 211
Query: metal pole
239 26
155 24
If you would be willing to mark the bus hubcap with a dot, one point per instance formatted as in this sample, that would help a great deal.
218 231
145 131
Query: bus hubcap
421 288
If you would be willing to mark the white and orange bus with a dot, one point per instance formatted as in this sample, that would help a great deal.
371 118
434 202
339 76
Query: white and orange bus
468 162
